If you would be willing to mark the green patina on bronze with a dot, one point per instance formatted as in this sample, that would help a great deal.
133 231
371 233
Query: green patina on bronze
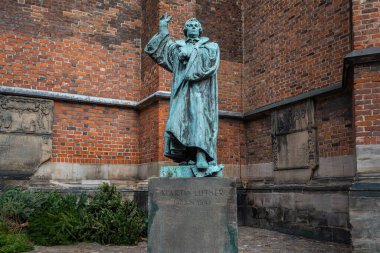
192 126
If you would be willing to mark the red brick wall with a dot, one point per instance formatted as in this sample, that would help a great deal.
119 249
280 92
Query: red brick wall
149 69
222 22
259 140
291 47
94 134
163 116
367 103
148 134
231 142
334 122
89 48
366 23
366 29
230 86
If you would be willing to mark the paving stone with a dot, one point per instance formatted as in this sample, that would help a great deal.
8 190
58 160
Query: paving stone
251 240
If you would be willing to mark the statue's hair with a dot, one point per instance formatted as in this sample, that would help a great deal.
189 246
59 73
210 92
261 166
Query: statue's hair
192 19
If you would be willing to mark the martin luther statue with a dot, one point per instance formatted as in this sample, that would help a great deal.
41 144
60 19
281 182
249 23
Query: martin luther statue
192 126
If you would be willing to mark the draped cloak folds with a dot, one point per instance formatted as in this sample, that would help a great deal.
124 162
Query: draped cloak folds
193 113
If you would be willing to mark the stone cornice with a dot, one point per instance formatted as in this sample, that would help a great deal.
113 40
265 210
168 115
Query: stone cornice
361 56
261 110
67 97
366 55
158 95
328 184
76 98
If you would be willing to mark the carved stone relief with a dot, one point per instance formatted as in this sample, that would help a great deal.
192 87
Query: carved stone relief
25 135
294 137
25 115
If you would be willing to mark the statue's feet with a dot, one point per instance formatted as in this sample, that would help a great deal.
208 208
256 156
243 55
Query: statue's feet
201 160
212 163
186 163
202 165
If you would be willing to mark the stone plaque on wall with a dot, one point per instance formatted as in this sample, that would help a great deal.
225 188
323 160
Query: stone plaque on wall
294 137
25 135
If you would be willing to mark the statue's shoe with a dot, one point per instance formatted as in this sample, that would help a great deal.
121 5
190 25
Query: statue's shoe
203 165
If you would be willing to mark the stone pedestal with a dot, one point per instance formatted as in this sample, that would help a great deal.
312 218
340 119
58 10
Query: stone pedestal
191 215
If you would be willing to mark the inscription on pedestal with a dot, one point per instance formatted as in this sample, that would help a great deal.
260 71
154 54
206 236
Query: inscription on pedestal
192 215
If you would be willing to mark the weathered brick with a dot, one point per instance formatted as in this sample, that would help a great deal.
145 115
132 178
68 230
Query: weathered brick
291 47
367 103
95 134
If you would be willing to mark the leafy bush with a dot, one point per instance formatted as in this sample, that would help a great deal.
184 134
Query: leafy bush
58 220
17 205
11 241
54 219
111 220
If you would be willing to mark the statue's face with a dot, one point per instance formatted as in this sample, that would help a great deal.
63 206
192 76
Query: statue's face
193 29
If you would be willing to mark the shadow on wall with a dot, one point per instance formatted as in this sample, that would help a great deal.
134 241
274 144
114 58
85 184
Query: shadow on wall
110 23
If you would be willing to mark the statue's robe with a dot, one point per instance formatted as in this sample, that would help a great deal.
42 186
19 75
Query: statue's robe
193 114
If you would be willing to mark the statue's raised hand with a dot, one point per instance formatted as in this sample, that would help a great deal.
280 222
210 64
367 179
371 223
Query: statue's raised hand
164 21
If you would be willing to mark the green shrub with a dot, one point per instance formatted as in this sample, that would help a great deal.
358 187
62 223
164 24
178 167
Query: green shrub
111 220
17 205
58 220
55 219
11 242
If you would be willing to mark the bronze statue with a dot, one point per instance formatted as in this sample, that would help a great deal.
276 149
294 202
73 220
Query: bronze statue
192 127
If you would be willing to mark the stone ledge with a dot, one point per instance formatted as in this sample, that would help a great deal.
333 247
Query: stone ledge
138 105
327 184
309 94
365 55
365 187
61 96
365 190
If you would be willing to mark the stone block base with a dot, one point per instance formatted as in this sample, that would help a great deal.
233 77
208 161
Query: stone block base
365 217
190 215
319 212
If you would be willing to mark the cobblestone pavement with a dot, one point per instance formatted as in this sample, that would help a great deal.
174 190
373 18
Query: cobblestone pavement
251 240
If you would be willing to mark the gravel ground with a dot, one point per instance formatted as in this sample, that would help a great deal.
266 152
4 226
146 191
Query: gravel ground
251 240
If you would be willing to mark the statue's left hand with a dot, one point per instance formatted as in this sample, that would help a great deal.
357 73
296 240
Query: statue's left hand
184 53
